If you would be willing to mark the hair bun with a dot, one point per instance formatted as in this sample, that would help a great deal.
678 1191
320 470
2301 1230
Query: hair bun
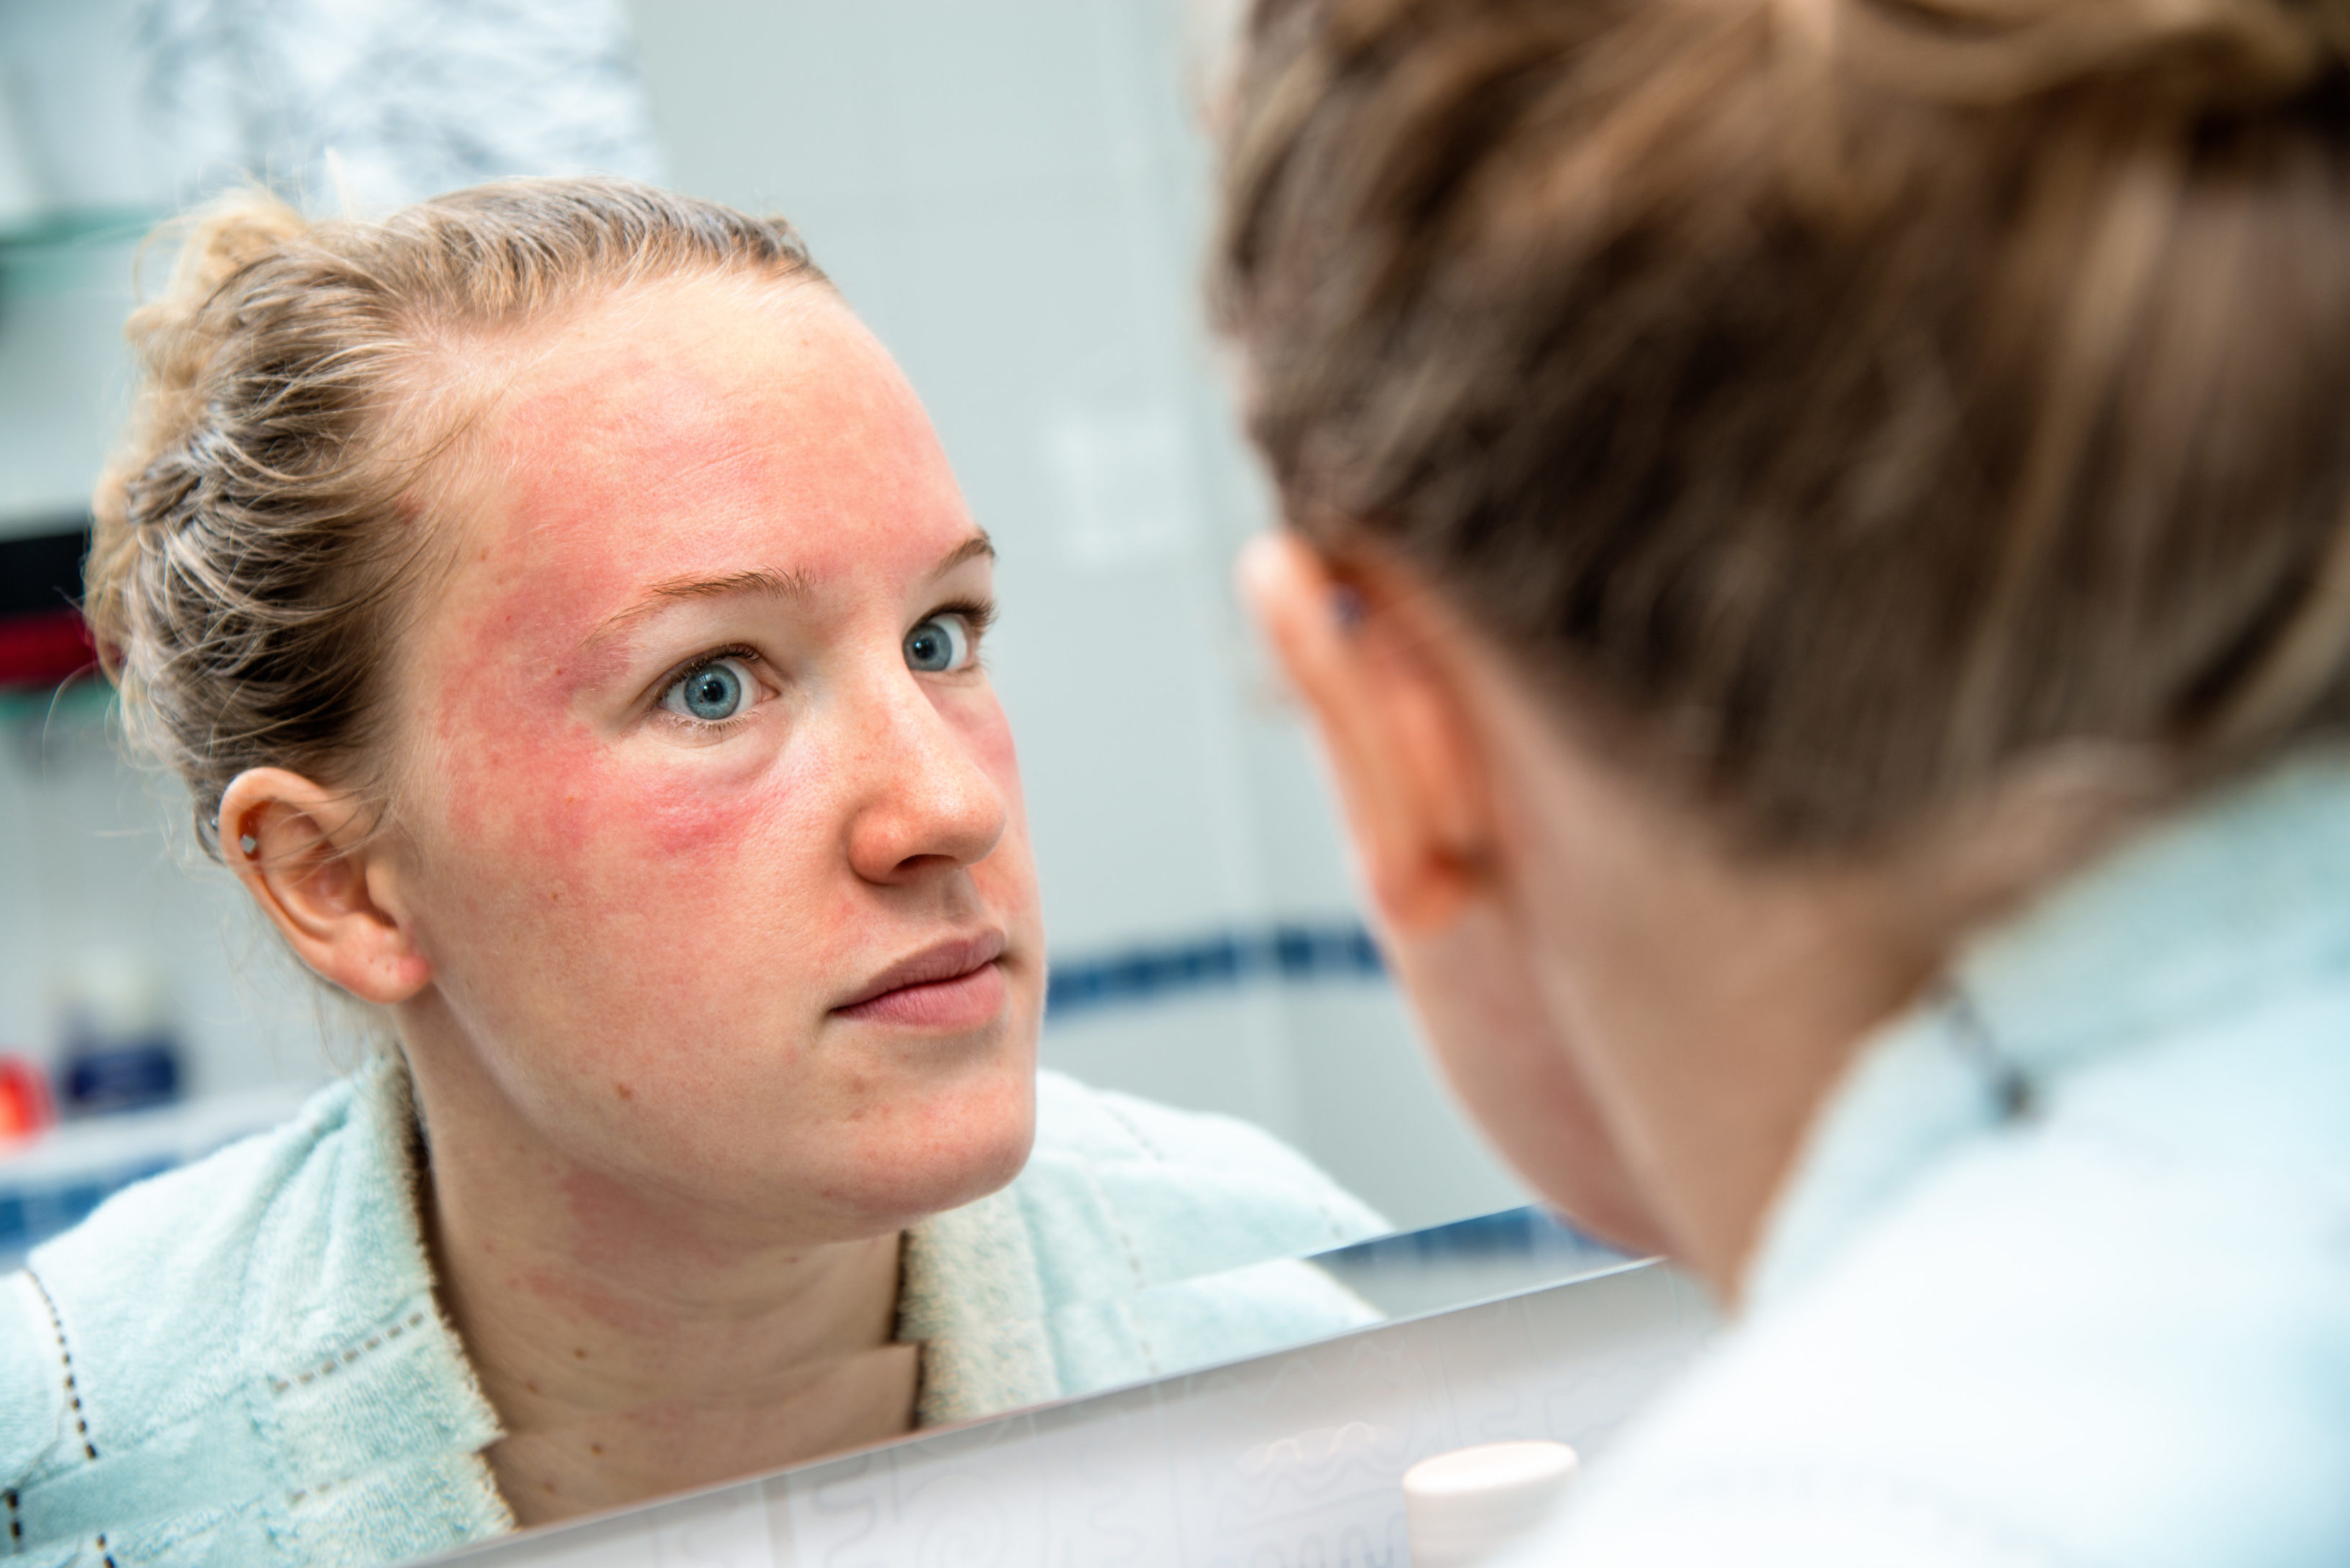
2192 54
217 241
175 337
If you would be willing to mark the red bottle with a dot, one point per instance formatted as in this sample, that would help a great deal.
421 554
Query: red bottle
25 1105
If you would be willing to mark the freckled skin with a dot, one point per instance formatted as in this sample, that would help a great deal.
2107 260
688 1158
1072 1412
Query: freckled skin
639 1095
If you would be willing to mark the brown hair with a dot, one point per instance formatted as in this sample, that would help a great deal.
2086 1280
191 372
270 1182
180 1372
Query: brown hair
1863 397
256 541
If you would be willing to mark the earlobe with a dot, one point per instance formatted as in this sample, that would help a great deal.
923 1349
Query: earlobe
1400 745
304 854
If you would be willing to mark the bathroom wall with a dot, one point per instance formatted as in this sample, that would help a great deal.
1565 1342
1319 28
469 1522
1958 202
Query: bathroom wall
1013 195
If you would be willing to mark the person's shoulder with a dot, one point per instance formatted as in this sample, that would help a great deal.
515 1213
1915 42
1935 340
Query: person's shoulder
153 1293
1174 1173
186 1226
2063 1347
241 1360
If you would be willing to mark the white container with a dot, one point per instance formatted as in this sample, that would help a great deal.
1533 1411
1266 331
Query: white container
1465 1508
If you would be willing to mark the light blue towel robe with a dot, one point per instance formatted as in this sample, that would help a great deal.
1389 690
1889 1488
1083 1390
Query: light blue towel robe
2063 1277
242 1363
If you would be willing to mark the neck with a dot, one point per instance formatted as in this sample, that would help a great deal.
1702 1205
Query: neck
631 1345
1708 1002
1727 1023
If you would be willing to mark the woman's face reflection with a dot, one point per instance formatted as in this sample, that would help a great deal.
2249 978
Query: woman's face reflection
711 824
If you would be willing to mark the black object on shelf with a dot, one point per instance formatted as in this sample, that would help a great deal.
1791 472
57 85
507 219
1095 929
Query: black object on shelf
42 639
42 571
105 1080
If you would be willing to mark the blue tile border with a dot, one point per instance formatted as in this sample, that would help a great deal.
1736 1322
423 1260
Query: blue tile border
1282 954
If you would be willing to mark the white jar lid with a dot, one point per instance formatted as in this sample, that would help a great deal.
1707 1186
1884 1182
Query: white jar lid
1462 1508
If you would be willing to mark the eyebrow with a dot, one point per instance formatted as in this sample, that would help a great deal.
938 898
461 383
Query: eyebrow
759 583
971 549
769 584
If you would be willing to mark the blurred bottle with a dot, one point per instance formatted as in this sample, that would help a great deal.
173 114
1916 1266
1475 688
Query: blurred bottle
25 1105
120 1050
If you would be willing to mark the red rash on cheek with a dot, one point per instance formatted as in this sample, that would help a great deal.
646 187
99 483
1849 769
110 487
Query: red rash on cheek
519 769
682 819
572 532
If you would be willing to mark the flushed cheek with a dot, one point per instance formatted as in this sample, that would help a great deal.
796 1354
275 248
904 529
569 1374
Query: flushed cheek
514 767
630 877
687 816
528 779
537 798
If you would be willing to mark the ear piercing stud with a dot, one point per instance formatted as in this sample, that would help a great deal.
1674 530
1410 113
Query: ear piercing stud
248 844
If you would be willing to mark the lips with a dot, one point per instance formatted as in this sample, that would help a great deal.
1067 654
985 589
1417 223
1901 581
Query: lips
950 984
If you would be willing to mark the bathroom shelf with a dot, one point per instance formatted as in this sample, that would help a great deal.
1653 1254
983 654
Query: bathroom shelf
79 226
85 700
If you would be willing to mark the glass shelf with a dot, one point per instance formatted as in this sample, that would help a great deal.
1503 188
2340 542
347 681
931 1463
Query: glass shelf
84 701
79 226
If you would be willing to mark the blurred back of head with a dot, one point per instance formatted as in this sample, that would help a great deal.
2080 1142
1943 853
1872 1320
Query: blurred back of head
1865 401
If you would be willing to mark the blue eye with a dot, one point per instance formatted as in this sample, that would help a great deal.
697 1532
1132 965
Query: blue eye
939 645
712 693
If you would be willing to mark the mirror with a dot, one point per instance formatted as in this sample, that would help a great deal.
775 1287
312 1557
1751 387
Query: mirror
1011 198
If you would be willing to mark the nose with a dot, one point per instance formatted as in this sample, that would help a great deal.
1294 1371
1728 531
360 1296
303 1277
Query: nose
923 804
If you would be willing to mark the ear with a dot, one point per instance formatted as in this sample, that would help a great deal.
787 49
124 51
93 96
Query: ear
304 855
1364 656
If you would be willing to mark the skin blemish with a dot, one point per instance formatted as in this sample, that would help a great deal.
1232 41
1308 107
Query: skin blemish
597 1449
625 1092
577 1355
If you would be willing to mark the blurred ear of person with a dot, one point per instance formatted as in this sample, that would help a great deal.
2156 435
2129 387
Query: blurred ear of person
1391 694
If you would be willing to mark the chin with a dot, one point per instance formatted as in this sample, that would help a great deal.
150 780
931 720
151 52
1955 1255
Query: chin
939 1157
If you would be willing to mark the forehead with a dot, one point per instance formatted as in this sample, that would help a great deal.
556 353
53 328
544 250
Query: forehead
710 417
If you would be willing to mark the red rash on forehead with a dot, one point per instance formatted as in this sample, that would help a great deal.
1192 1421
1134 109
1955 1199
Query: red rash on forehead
635 465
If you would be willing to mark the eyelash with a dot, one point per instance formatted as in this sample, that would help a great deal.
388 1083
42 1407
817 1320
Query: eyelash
978 614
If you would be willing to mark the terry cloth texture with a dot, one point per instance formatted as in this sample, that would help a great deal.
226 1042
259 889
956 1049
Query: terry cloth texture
2063 1275
242 1364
